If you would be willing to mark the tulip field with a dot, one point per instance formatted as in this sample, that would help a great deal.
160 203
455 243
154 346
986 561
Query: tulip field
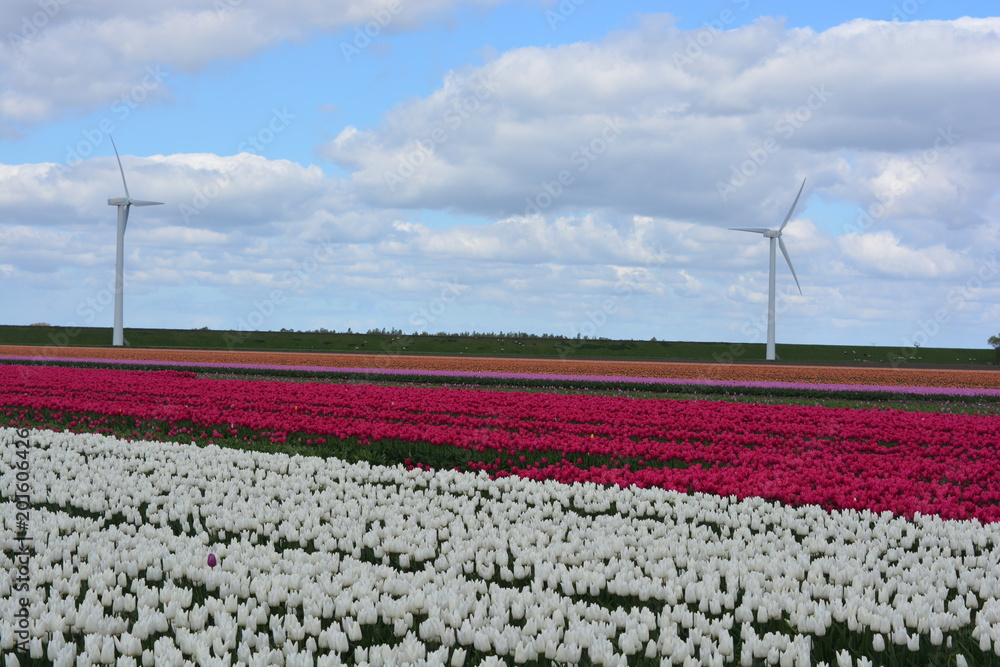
191 516
903 375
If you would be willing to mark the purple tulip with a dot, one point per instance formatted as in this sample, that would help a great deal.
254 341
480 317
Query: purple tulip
212 560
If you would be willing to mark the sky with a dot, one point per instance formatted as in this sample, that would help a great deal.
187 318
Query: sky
567 167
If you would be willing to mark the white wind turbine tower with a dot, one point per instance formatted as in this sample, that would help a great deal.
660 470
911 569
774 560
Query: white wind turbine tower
775 236
123 204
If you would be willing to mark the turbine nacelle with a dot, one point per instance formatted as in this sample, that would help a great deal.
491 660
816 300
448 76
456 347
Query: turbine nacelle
122 201
127 199
768 233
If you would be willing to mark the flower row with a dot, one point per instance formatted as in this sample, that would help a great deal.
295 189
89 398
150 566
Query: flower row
903 375
317 562
632 382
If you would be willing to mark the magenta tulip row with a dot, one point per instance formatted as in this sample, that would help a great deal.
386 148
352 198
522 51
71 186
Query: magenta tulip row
554 377
882 460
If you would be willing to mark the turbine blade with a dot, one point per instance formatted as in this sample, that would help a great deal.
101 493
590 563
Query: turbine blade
127 197
125 218
755 230
139 202
789 216
784 251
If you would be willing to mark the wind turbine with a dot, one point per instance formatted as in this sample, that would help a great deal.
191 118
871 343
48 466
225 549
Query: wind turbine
775 236
123 204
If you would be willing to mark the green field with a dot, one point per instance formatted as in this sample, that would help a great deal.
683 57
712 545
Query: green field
492 345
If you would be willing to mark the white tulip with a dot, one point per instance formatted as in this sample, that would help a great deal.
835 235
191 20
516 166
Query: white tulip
673 558
107 651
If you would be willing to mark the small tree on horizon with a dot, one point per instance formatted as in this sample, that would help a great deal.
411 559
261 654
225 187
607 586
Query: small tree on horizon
995 342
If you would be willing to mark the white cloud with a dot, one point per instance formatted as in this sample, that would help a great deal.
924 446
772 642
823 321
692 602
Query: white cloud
881 252
123 42
588 239
635 125
179 236
690 287
243 193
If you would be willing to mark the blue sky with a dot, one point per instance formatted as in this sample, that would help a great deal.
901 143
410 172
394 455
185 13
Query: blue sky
518 165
